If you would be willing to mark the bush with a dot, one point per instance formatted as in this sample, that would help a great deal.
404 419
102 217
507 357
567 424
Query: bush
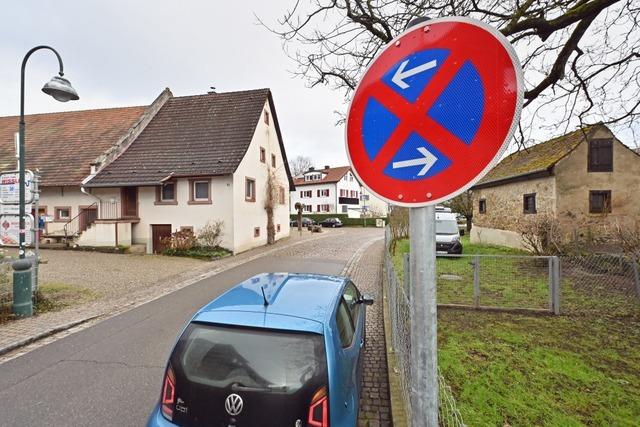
198 252
210 236
541 235
182 240
344 218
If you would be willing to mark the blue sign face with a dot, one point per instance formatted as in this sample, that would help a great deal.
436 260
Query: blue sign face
458 109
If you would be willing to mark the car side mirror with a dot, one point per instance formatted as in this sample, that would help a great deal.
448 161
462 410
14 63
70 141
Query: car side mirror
366 300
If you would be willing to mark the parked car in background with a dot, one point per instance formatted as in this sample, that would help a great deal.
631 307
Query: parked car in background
447 234
277 350
331 222
305 222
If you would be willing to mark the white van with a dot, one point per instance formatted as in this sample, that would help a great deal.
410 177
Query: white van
447 233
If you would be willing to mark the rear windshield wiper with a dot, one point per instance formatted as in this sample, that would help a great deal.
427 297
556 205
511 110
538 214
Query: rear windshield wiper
269 388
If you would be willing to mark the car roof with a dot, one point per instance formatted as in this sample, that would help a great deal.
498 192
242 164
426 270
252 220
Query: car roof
299 302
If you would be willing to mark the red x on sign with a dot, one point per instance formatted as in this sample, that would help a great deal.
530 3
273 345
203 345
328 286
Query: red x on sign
434 111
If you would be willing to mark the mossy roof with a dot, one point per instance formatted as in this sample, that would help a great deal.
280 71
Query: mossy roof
537 158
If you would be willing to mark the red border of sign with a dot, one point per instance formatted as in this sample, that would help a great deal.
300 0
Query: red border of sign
500 118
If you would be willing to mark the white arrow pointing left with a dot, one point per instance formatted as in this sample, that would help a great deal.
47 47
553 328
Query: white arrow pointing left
401 74
427 159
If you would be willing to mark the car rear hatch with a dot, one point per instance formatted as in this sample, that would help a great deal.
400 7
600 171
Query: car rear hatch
239 376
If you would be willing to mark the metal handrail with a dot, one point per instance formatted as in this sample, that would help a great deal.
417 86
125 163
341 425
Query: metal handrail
72 227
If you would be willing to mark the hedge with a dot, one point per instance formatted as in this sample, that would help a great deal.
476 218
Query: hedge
349 222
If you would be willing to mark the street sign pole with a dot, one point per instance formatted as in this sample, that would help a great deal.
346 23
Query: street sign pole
432 114
424 330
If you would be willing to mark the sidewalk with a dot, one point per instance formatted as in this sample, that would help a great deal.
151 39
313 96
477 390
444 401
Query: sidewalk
366 273
16 334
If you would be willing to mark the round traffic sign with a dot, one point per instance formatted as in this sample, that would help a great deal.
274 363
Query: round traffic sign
434 111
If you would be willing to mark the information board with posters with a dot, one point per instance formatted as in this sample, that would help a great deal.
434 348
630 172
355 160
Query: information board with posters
10 230
10 188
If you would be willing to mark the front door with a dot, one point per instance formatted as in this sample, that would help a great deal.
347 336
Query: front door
87 217
129 197
158 232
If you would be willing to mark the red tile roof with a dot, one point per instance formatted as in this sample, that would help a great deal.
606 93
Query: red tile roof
332 175
200 135
62 145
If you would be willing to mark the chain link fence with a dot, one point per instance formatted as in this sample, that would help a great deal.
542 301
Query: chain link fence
603 285
400 319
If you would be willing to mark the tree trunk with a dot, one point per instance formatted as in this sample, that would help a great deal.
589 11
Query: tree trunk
469 222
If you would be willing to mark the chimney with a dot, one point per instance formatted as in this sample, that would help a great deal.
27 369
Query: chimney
213 90
311 169
327 167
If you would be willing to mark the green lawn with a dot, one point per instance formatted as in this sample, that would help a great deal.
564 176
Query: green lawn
524 370
512 282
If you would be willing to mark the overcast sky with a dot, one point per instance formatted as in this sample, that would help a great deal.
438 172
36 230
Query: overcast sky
121 53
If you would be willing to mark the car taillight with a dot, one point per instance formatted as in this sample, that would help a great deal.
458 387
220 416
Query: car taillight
168 398
319 409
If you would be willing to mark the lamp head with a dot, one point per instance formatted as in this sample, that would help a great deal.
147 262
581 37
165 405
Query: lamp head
60 89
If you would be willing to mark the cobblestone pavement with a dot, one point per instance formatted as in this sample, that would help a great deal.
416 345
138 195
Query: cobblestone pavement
122 282
366 273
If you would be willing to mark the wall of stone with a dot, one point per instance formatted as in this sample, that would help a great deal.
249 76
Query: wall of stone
494 236
505 203
573 183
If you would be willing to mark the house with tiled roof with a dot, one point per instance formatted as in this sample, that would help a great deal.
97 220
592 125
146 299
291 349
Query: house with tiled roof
585 179
327 191
132 176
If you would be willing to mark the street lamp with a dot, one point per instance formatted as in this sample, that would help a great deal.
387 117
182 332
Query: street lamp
61 90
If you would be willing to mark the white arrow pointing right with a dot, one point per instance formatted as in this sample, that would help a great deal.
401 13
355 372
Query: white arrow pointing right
401 74
427 159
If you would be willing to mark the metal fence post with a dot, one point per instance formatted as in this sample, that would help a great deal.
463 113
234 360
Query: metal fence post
636 276
556 285
476 281
407 275
424 332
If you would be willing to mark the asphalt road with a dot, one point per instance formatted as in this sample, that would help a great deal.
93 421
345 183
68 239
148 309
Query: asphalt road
110 374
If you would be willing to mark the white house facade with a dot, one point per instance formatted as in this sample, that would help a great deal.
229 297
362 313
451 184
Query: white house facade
181 163
328 190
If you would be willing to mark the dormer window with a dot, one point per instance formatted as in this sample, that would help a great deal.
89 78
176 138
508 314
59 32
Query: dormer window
313 177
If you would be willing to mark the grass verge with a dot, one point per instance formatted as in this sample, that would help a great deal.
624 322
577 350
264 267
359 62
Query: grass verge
518 370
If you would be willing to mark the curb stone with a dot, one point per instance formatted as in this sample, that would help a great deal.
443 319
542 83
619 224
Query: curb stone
21 343
399 416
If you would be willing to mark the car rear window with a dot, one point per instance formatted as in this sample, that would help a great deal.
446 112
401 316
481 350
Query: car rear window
218 356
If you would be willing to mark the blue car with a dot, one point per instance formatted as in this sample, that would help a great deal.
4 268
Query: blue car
278 349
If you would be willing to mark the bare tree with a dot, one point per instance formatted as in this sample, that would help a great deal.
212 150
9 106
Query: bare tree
581 58
463 204
300 164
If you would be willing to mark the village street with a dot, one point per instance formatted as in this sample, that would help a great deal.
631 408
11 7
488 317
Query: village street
110 373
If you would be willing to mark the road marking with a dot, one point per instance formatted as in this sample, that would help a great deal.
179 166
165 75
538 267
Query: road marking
427 159
401 74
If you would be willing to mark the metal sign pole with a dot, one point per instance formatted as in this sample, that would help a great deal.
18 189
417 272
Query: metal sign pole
424 330
36 228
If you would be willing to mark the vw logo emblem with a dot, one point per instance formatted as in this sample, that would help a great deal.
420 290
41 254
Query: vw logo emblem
233 404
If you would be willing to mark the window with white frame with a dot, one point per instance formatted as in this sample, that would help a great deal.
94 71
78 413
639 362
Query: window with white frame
307 208
201 190
323 193
313 177
307 194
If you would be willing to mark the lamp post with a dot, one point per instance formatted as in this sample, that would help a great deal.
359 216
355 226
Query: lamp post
61 90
